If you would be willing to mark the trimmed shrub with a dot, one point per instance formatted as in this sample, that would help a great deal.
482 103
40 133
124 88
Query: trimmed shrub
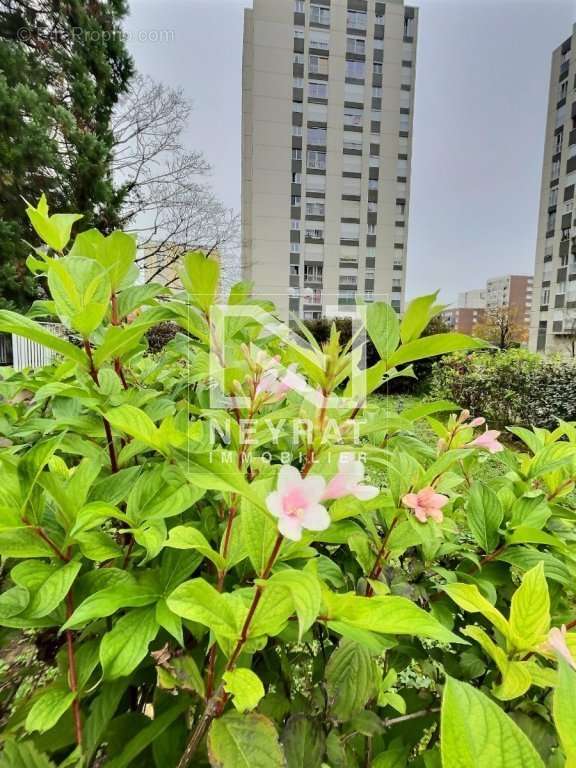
512 387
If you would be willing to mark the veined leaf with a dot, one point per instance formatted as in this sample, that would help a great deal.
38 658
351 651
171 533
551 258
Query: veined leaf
470 599
12 322
124 647
350 679
564 710
245 687
530 610
244 741
432 346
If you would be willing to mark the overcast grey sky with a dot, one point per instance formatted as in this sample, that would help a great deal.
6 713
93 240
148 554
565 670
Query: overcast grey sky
483 70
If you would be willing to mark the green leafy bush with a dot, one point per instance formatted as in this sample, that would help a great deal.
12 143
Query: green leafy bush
225 585
512 387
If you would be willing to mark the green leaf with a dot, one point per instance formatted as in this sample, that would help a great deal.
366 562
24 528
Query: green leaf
23 542
244 741
417 316
117 256
476 733
258 531
12 322
147 735
137 295
53 591
105 602
350 679
564 711
200 278
13 601
23 754
530 610
485 515
54 230
186 537
305 591
48 708
383 328
134 422
304 742
102 711
470 599
124 647
81 292
196 600
245 686
432 346
387 614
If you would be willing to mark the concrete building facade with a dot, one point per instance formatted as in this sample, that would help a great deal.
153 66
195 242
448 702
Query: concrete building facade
553 322
327 112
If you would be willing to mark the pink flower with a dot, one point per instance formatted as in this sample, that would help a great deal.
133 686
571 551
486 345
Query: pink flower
296 503
487 440
276 387
557 644
348 481
477 422
426 503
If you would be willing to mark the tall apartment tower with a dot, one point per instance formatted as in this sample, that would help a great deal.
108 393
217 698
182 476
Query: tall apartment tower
554 305
327 109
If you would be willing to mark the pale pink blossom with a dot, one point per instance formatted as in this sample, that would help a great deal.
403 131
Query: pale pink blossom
348 481
487 440
477 422
426 504
276 386
296 503
557 644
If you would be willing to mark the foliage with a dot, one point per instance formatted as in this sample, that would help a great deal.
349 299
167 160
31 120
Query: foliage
224 583
62 69
504 327
513 387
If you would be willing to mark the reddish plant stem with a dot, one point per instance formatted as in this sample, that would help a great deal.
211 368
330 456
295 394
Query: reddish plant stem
115 319
40 533
107 428
381 557
488 558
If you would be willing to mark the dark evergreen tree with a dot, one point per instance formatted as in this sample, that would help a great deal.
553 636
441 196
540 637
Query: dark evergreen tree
63 67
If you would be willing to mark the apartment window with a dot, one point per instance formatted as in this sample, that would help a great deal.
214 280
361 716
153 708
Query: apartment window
352 163
296 154
355 69
372 183
353 116
374 161
296 130
315 183
313 272
319 39
563 90
320 15
369 296
560 116
396 282
372 207
315 234
314 208
317 65
405 99
348 279
295 248
551 223
299 6
316 160
406 76
295 224
370 274
356 19
378 44
402 168
553 197
347 296
317 113
295 270
376 92
404 122
298 58
371 229
317 136
409 26
298 33
377 68
379 17
298 82
407 51
296 178
352 143
356 45
318 90
297 106
400 208
353 92
349 231
555 169
295 200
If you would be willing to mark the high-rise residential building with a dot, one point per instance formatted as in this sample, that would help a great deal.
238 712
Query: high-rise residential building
512 293
328 100
554 308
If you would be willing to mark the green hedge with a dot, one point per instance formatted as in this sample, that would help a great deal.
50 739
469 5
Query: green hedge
512 387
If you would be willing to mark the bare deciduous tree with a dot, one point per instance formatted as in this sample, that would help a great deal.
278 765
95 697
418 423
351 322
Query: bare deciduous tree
167 201
503 327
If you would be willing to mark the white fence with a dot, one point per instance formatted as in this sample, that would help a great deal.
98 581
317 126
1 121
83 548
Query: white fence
25 353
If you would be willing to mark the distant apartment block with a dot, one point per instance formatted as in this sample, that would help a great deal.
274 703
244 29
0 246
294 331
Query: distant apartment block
327 111
509 292
553 319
